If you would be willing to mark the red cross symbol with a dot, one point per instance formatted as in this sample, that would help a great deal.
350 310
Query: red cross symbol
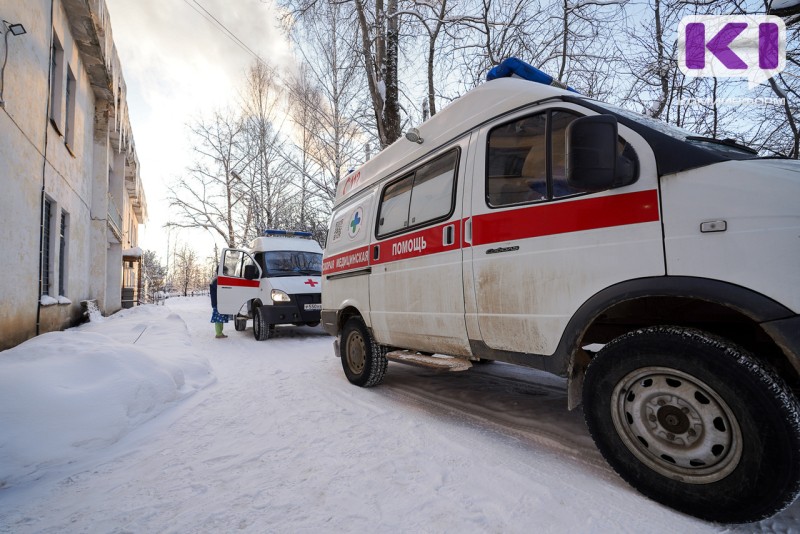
311 283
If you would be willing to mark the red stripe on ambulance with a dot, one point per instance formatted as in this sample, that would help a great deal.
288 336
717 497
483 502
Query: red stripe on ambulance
353 259
565 217
237 282
509 225
422 243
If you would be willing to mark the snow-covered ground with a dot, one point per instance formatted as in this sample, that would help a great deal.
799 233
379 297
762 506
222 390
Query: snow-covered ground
143 422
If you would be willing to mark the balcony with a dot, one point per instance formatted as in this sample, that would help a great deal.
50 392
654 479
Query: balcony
114 219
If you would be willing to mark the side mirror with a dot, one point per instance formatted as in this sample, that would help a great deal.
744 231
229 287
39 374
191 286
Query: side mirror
250 272
592 152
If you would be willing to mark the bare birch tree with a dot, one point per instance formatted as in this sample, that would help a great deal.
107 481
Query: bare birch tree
187 273
328 97
378 21
267 177
211 196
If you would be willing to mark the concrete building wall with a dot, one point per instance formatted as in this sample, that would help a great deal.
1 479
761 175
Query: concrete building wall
73 157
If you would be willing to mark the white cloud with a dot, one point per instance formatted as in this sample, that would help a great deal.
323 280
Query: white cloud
179 66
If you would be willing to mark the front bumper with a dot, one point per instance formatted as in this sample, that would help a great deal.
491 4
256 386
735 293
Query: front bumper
294 311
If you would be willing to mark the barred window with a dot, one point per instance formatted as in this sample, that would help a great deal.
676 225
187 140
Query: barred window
46 222
62 255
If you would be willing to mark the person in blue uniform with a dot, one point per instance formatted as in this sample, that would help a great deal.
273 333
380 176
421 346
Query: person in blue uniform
217 318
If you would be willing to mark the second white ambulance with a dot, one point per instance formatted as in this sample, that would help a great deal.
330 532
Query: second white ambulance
275 281
525 222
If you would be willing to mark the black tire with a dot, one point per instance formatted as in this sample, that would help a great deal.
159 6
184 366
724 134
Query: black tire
312 324
696 423
240 323
262 330
363 360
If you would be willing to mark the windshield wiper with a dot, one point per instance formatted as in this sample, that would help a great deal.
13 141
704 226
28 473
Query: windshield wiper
725 142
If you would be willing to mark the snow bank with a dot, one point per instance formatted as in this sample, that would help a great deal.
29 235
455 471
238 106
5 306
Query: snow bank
64 394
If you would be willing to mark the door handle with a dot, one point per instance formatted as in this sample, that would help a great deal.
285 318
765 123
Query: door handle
468 231
448 235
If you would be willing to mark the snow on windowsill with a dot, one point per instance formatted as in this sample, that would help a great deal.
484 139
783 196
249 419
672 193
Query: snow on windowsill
47 300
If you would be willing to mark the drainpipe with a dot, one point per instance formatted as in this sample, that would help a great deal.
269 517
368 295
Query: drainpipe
44 169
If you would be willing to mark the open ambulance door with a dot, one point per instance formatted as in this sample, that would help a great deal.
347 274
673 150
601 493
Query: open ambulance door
238 281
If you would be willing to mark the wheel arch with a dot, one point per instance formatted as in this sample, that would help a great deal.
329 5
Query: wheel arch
346 313
727 310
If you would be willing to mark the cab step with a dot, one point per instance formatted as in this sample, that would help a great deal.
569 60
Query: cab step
441 363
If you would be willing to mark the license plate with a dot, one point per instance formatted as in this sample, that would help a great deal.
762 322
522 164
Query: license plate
310 307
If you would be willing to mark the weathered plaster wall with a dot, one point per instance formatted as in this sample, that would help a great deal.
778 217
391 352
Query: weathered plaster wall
22 129
38 160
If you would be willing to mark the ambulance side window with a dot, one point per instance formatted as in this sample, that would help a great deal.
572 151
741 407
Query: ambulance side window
526 159
517 162
231 265
433 187
422 196
394 206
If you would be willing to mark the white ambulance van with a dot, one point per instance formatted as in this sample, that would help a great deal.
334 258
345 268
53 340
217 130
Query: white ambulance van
525 222
276 281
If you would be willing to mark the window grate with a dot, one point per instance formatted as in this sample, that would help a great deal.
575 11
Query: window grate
46 248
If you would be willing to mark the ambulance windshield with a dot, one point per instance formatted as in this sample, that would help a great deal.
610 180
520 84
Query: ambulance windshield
290 263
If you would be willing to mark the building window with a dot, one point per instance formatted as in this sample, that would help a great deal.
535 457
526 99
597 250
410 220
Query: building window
57 83
69 123
62 256
46 221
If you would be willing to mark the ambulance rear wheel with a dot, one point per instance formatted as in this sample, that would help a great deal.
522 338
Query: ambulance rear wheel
262 330
696 423
240 324
363 360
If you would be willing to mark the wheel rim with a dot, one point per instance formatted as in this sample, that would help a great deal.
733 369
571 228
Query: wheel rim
356 352
677 425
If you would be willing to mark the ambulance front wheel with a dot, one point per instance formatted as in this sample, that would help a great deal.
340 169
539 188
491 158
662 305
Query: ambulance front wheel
262 330
695 422
363 359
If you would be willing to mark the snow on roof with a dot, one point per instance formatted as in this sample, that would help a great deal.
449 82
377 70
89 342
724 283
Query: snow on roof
135 252
485 102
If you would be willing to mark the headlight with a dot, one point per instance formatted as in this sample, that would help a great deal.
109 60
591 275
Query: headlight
279 296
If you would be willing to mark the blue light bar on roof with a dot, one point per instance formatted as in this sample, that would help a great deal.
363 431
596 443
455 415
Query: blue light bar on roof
287 233
516 67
